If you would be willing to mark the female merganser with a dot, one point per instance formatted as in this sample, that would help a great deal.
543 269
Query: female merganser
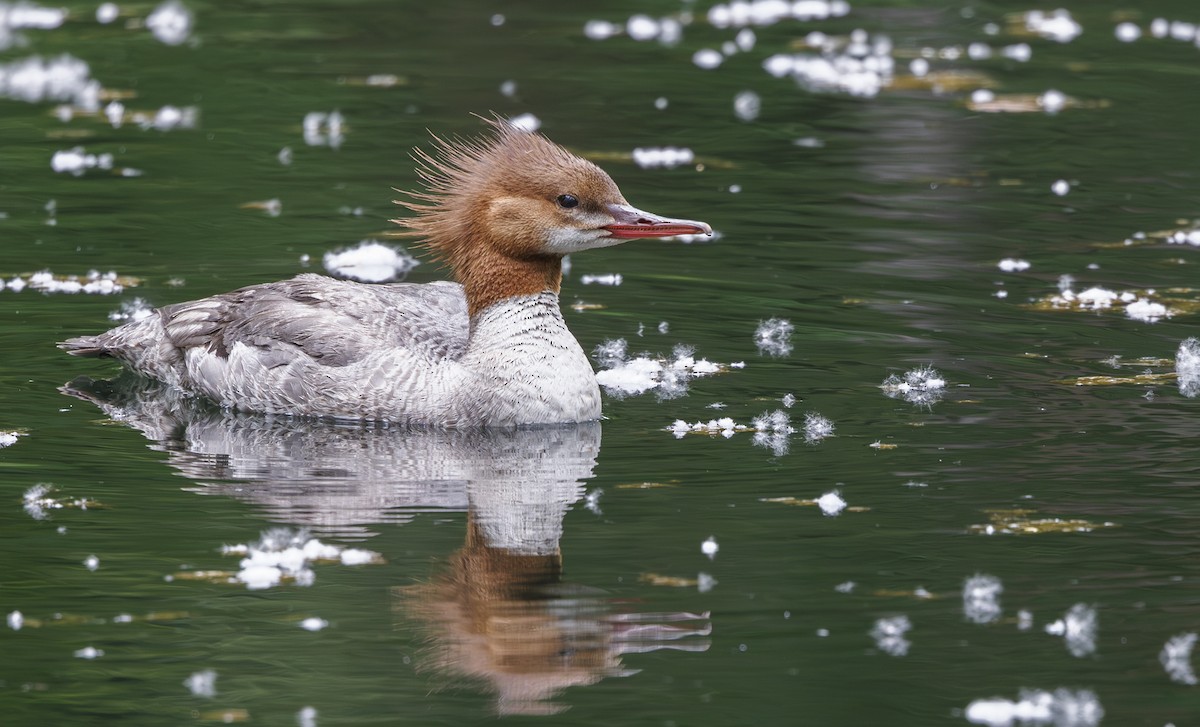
491 350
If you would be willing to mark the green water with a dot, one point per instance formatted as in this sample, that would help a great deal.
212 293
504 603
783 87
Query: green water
878 238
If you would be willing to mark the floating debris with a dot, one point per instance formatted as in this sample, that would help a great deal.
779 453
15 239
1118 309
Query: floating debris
8 439
923 386
709 547
38 500
624 376
580 306
132 310
1060 187
1050 102
202 683
1187 367
604 279
774 337
313 623
657 579
76 161
16 620
1138 305
831 503
860 65
91 562
773 431
665 157
170 23
1078 627
1036 708
981 598
816 427
281 555
1176 658
63 78
324 129
592 501
747 105
89 652
725 427
370 262
273 207
1057 25
1018 522
889 635
647 485
882 445
525 122
1012 265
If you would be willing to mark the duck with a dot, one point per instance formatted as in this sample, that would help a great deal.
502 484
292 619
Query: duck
488 349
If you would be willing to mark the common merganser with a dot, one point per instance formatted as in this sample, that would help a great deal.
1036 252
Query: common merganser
491 350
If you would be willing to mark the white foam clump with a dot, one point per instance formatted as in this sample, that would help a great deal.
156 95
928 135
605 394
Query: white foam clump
653 157
313 623
747 105
860 66
21 15
1037 708
1187 367
922 385
525 122
1127 32
1184 237
16 620
370 262
1052 101
981 598
603 279
1060 187
1057 25
132 310
831 503
889 635
774 336
37 80
1176 658
725 427
667 31
166 118
1146 311
600 29
89 652
709 547
95 283
707 58
107 12
324 128
773 430
624 376
741 13
170 23
1078 627
8 439
816 427
202 683
1013 265
282 553
76 161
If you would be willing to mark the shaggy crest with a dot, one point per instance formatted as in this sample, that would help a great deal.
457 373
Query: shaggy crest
462 176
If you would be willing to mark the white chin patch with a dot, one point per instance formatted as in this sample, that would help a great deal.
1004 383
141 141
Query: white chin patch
566 240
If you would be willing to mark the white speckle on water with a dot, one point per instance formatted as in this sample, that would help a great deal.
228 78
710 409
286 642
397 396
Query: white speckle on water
1159 27
1019 52
306 717
1176 658
525 122
202 683
1146 311
774 336
1052 101
707 58
831 503
170 23
91 562
134 309
845 587
889 635
1057 25
923 386
1187 367
1078 627
282 553
981 598
76 161
709 547
603 279
322 128
664 157
1127 32
313 623
370 262
8 439
642 27
600 29
747 105
358 556
1061 187
816 427
705 582
919 67
1013 265
982 96
592 501
1037 708
1024 620
107 12
89 652
16 620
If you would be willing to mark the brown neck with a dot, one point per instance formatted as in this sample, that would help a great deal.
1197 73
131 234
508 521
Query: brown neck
490 277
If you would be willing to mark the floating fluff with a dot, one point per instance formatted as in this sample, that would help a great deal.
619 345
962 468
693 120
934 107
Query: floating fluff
324 129
922 385
1078 627
981 598
831 503
285 555
1187 367
622 375
1176 658
653 157
370 262
1013 265
602 279
1057 25
889 634
63 78
202 683
76 161
170 23
525 122
816 427
774 336
1061 708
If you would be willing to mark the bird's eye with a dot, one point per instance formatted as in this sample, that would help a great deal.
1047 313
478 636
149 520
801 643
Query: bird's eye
567 200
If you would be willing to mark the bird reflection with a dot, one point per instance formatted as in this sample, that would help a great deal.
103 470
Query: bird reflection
498 611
